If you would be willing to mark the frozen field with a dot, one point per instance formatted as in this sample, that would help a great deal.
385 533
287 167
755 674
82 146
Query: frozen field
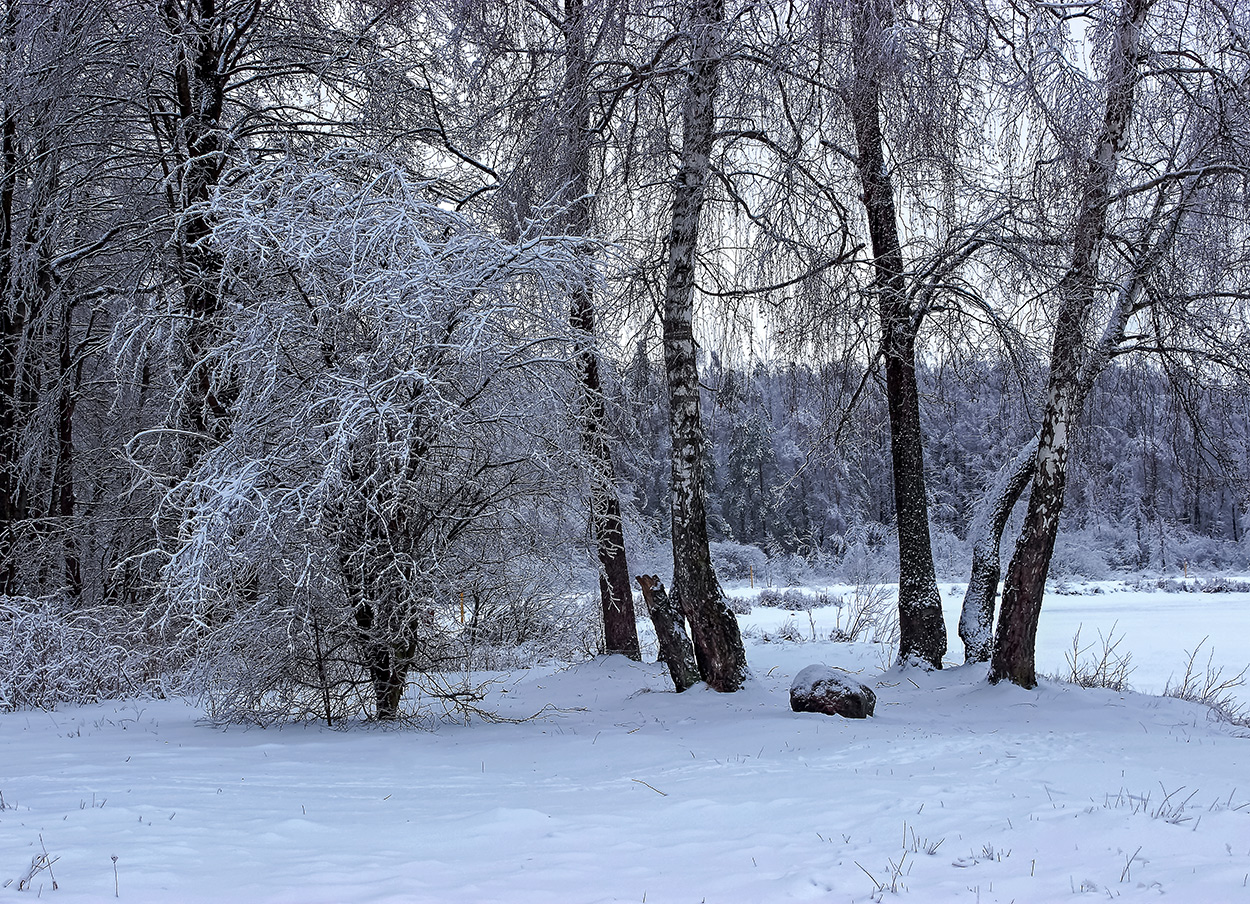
624 791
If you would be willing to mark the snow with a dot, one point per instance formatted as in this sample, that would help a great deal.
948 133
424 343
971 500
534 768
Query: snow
624 791
807 679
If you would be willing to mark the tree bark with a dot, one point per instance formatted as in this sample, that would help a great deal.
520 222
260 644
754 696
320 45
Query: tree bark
620 629
13 317
717 640
385 656
976 620
64 499
195 136
1015 640
922 633
676 651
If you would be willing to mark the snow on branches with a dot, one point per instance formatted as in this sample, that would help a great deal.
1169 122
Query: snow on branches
397 375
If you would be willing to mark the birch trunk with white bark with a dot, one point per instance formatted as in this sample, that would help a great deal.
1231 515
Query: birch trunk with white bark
1014 642
717 639
976 620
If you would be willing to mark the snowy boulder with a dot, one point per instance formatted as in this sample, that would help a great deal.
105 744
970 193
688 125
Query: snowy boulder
820 689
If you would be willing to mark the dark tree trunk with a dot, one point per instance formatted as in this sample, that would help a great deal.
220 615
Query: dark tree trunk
195 137
1015 640
717 640
922 633
676 651
64 500
389 676
13 318
386 662
620 629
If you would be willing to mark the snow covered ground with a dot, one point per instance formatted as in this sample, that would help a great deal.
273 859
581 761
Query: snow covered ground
624 791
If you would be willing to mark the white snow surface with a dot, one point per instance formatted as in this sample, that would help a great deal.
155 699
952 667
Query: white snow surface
624 791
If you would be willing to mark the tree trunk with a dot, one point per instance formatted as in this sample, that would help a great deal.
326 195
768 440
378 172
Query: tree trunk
717 640
620 629
195 136
13 317
64 500
389 676
676 651
922 633
386 665
1014 643
978 608
976 621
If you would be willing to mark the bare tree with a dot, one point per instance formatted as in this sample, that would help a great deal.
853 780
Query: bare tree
619 622
1078 293
533 157
922 633
717 640
58 221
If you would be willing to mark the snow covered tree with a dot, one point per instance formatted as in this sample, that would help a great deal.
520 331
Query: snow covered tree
544 176
1157 194
60 221
922 634
717 640
401 382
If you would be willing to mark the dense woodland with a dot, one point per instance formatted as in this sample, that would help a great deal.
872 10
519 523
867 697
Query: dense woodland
1152 488
332 330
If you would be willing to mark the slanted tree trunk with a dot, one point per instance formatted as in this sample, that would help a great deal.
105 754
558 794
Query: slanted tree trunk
717 640
922 633
1015 640
976 620
676 651
620 629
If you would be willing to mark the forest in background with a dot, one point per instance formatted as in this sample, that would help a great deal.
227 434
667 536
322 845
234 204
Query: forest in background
333 331
1157 484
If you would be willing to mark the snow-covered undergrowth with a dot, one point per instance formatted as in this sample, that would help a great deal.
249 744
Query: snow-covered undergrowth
624 791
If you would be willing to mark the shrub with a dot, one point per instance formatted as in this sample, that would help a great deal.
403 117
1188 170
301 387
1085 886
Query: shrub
737 561
1212 688
53 654
1104 666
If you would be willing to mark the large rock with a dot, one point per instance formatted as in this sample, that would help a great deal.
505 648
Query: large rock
820 689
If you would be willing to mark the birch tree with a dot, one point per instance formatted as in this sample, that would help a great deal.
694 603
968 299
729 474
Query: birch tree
717 640
1026 575
545 175
1164 149
922 633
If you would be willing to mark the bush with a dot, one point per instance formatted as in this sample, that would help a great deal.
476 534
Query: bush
522 630
867 614
53 654
1217 584
1104 666
790 598
736 561
1212 688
